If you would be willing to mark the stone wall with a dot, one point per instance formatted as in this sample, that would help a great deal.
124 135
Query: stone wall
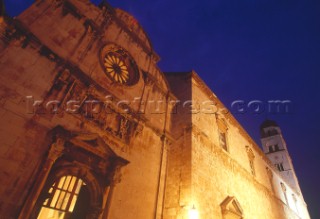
159 126
216 173
52 44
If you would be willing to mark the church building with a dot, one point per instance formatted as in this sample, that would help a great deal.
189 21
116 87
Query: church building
91 128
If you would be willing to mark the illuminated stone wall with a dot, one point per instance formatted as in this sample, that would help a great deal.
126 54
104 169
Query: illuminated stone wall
160 129
217 174
54 44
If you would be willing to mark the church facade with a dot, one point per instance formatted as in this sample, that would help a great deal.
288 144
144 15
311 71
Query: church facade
92 128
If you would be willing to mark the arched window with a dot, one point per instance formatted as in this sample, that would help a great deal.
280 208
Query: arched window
66 198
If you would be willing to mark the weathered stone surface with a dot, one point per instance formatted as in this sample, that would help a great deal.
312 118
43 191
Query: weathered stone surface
148 150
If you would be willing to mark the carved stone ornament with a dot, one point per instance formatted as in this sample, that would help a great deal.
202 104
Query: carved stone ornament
118 65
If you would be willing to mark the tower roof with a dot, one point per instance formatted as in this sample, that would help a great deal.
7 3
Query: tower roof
268 123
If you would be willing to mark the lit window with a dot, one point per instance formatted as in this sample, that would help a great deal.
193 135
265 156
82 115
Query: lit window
62 197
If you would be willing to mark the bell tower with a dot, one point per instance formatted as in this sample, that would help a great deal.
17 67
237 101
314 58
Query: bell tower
276 150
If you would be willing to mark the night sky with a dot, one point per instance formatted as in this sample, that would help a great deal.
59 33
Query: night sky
245 50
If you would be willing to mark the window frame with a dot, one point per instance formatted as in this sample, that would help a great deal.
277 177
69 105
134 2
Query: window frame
61 187
223 134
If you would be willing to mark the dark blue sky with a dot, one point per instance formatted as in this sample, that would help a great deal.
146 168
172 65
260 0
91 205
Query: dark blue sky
245 50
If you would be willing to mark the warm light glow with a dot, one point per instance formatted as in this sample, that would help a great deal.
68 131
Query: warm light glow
116 68
62 197
193 213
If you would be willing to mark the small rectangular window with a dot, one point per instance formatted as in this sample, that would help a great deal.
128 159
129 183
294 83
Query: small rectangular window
270 148
280 167
252 168
223 140
251 159
222 132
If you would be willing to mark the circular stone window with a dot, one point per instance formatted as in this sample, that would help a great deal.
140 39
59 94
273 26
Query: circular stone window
119 65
